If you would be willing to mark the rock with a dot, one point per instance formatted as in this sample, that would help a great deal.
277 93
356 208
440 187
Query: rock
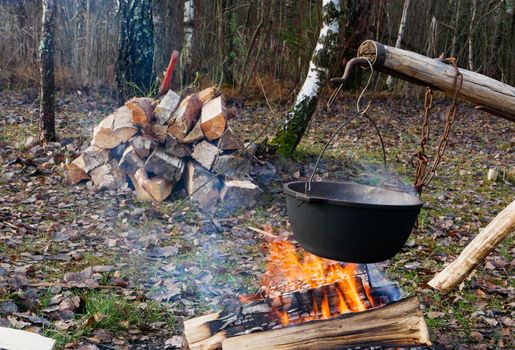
236 194
493 174
175 342
196 176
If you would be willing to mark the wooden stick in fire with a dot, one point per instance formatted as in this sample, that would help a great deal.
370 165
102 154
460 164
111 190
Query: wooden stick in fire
477 250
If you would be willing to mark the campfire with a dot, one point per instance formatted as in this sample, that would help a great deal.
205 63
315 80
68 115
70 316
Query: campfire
308 302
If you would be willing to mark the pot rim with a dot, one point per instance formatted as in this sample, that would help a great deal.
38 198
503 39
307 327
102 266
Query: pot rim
344 203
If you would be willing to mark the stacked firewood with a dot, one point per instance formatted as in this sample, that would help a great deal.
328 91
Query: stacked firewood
155 145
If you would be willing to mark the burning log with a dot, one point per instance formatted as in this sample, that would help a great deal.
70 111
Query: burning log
396 324
477 250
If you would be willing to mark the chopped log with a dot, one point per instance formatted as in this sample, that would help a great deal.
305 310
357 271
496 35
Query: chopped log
205 153
492 95
155 189
76 172
114 129
117 152
142 145
477 250
176 148
230 142
236 194
108 176
166 107
232 166
208 94
197 176
196 134
213 120
93 157
158 132
397 324
130 161
185 117
142 110
165 165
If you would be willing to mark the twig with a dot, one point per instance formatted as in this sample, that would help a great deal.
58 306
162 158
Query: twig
268 236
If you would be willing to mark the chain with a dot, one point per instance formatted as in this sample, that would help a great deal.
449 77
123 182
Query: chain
420 159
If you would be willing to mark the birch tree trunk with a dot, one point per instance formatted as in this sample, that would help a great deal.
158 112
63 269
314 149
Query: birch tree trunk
471 35
136 50
47 89
290 133
400 35
187 55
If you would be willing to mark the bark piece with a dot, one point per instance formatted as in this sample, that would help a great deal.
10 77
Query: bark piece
93 157
108 176
196 134
208 94
197 176
142 145
176 148
185 117
142 110
205 153
166 106
76 172
213 120
236 194
114 129
477 250
130 161
155 188
165 165
232 166
230 142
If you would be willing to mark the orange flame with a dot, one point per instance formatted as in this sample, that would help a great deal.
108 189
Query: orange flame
289 270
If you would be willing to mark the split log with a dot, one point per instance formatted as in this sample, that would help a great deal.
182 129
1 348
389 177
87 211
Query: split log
165 165
93 157
142 110
176 148
76 172
397 324
487 93
197 176
236 194
108 176
196 134
142 145
208 94
166 107
230 142
232 166
185 117
130 161
158 132
205 153
477 250
214 118
156 189
114 129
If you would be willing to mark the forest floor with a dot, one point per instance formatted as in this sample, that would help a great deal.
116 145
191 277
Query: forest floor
101 270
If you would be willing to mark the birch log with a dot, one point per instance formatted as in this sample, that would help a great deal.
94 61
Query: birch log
290 133
486 93
400 35
477 250
187 56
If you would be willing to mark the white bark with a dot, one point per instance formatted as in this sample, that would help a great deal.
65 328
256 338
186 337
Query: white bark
189 14
400 35
471 35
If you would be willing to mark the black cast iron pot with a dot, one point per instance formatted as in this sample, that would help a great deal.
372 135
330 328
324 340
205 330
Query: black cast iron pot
351 222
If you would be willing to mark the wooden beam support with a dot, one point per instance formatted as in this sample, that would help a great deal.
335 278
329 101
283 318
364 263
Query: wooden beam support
487 93
476 251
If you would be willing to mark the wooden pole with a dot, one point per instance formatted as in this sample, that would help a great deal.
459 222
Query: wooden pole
477 250
486 93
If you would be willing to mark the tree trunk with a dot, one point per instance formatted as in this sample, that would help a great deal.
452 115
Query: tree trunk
187 54
136 49
290 133
46 52
402 27
471 35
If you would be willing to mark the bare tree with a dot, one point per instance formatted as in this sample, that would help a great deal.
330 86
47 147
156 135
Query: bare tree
187 55
46 55
400 35
290 133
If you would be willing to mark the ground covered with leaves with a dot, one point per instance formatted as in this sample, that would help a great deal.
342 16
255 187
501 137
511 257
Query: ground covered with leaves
103 270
